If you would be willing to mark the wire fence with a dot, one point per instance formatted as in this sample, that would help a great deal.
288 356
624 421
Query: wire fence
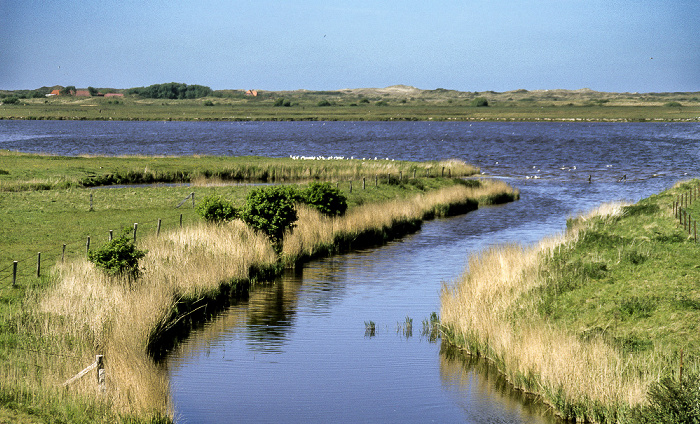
10 273
681 211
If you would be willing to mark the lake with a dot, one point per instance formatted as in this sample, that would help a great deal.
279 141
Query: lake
297 351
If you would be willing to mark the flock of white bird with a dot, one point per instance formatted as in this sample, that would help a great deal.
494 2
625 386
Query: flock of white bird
297 157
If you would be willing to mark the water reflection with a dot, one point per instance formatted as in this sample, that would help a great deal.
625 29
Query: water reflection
489 396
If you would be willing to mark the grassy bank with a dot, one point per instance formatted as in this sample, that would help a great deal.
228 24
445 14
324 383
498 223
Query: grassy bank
591 319
26 172
54 325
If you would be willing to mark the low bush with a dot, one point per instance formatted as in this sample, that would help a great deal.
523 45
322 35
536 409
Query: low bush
119 256
326 198
671 401
480 102
271 210
216 209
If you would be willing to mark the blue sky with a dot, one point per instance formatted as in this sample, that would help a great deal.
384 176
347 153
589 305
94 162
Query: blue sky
469 45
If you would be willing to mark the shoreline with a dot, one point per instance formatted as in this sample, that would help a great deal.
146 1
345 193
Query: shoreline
580 320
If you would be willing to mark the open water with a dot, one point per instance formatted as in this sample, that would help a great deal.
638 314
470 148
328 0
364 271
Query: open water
298 351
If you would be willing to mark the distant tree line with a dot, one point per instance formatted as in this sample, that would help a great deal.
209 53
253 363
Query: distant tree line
172 90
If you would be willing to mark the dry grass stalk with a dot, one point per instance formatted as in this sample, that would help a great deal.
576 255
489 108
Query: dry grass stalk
479 308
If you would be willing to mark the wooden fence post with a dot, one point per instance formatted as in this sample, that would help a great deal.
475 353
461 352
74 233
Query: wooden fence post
414 174
376 180
350 186
400 175
443 172
99 359
90 201
63 254
180 220
111 234
87 246
38 265
363 183
14 273
136 225
158 231
193 199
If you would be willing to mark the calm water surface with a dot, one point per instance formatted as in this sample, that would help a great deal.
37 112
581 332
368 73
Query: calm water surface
297 351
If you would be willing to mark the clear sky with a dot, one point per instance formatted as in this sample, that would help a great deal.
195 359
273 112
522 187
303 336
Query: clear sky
468 45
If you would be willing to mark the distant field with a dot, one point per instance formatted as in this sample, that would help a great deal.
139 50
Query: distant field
392 103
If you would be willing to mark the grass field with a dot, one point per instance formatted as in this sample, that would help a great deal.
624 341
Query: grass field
589 320
53 325
391 103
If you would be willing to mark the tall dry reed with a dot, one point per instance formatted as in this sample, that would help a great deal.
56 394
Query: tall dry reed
315 231
486 312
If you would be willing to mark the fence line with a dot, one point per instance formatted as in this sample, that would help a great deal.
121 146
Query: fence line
680 211
47 253
386 177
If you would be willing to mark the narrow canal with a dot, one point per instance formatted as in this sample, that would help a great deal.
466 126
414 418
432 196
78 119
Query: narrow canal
298 351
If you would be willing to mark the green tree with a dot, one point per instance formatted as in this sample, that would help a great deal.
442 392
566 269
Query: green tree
271 210
216 209
93 91
119 256
326 198
68 91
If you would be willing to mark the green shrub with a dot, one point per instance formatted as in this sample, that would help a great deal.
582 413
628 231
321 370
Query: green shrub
671 401
326 198
283 102
271 210
119 256
10 100
324 103
480 102
673 104
216 209
208 103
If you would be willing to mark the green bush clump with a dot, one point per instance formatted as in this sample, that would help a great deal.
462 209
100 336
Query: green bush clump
119 256
216 209
671 401
324 103
326 198
282 102
271 210
480 102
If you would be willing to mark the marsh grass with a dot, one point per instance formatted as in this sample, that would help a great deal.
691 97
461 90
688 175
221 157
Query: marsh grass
589 319
54 326
45 172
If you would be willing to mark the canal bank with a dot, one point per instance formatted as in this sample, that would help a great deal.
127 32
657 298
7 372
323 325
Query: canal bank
588 320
